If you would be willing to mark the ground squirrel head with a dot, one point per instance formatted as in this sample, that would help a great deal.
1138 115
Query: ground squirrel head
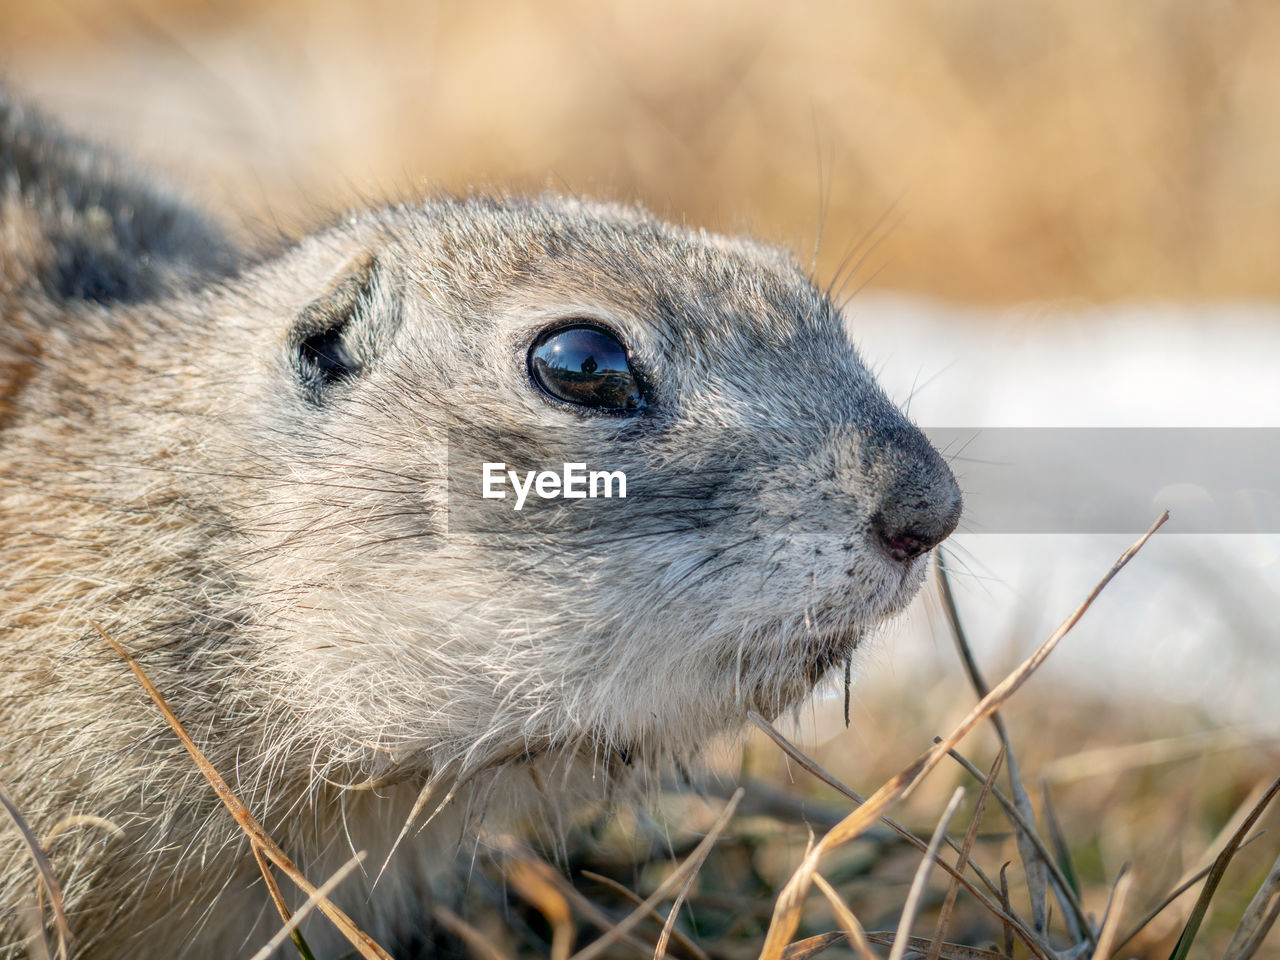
265 474
778 504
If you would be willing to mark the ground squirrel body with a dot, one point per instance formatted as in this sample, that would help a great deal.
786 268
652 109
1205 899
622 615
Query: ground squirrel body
253 469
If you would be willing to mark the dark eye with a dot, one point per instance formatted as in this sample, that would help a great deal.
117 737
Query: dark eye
587 365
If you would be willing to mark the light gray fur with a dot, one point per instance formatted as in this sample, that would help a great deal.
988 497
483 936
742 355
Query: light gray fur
320 607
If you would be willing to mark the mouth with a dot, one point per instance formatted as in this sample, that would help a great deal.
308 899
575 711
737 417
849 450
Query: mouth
777 666
899 573
830 635
822 652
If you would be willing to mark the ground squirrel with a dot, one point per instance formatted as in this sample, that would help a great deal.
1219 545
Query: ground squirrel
261 472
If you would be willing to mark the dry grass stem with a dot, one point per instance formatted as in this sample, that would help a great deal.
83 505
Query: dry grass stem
598 917
660 950
282 908
476 942
1220 864
604 922
950 951
1258 917
811 946
807 763
1145 928
1033 859
962 860
1144 924
363 943
1007 927
44 875
1063 891
82 820
1036 860
690 866
1250 949
852 927
1003 911
1068 885
915 894
1111 921
291 924
536 882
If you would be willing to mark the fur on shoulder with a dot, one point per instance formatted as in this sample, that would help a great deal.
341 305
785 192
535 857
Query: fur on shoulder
77 225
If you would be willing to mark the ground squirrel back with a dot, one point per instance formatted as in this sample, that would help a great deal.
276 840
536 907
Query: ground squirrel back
265 474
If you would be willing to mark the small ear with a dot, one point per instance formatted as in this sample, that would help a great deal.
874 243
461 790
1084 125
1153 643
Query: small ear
337 336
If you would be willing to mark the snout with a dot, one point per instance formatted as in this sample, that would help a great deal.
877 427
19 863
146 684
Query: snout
921 504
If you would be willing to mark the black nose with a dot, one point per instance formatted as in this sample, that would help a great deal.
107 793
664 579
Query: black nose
921 507
905 543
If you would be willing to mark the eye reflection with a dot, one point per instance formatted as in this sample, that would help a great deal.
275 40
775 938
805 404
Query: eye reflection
586 365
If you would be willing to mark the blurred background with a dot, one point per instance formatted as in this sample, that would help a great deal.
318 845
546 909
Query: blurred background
1070 148
1052 214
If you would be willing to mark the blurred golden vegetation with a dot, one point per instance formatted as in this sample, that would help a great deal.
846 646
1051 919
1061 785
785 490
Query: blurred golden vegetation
1001 150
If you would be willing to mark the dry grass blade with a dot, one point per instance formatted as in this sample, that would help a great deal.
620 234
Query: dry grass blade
82 820
953 890
1035 859
786 916
811 946
1061 849
1112 761
660 951
808 764
1004 902
605 923
44 870
690 866
852 928
1183 947
1003 911
1255 941
596 915
916 893
950 951
1258 917
282 908
475 941
536 882
1173 895
1111 922
1030 849
291 924
363 943
1064 890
